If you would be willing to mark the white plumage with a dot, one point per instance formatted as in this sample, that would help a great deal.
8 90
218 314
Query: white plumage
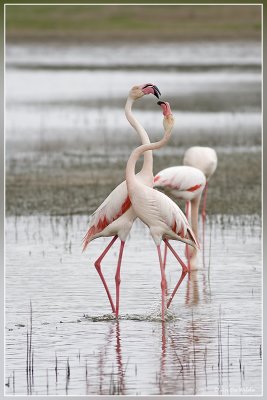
181 182
163 217
203 158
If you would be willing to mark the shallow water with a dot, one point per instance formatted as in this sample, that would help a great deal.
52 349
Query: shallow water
189 53
209 344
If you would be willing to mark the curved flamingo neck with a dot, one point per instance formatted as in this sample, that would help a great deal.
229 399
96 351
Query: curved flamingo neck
148 156
136 153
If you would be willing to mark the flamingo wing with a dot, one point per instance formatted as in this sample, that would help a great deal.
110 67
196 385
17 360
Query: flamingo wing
116 204
173 216
180 178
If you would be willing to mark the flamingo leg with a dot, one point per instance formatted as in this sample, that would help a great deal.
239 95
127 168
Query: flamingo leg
187 206
184 272
164 264
98 268
118 278
165 256
163 283
203 212
187 214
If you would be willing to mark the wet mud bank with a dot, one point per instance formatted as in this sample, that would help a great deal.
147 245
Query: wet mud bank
77 185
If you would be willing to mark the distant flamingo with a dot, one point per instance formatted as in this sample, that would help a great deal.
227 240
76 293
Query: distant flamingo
186 183
115 216
163 217
205 159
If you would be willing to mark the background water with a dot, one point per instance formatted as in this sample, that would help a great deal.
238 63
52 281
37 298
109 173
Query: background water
211 340
75 95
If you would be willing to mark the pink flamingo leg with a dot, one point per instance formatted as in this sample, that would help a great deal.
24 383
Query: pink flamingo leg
204 218
163 284
164 264
184 272
187 208
165 256
98 268
204 203
118 278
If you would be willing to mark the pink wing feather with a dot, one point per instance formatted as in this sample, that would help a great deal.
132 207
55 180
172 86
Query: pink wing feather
116 204
180 178
173 216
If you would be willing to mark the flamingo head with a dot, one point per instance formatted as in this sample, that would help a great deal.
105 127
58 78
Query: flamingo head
139 91
168 121
166 108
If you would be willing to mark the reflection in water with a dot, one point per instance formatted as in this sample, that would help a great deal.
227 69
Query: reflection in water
192 293
161 379
121 385
117 384
206 265
181 359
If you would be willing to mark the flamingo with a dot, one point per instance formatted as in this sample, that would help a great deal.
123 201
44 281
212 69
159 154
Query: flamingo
115 216
162 215
205 159
186 183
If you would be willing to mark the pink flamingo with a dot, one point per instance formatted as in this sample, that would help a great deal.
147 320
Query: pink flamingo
163 217
186 183
205 159
115 216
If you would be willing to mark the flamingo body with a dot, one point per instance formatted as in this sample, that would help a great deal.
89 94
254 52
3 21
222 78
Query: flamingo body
203 158
181 182
163 217
115 216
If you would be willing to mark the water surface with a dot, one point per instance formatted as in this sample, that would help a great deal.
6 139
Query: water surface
209 344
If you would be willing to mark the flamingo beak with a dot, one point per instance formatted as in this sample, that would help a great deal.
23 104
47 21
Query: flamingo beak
165 107
156 91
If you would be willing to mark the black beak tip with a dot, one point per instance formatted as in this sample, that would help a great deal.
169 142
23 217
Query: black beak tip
157 89
160 102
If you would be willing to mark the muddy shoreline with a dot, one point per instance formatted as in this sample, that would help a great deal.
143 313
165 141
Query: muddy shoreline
80 187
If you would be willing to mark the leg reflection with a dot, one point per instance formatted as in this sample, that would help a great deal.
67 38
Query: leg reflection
162 359
116 383
121 370
192 292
